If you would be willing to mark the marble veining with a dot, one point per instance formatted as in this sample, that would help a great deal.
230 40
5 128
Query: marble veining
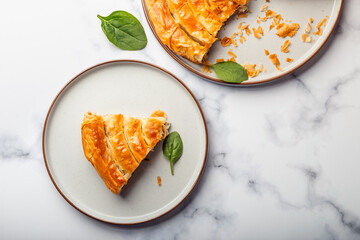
283 158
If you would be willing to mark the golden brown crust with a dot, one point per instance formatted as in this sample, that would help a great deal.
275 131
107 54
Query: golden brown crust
205 15
183 15
154 128
94 146
172 35
117 145
135 138
226 8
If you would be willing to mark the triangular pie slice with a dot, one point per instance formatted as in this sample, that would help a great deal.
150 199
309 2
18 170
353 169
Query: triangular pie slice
115 145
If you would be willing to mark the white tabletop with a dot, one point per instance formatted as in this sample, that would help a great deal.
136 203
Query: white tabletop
283 158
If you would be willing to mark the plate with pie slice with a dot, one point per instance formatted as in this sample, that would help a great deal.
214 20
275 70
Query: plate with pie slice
270 39
103 137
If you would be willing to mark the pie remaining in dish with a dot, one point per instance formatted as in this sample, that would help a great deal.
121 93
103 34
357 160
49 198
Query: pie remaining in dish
189 27
115 145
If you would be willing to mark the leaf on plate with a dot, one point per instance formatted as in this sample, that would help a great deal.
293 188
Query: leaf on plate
124 30
173 148
230 71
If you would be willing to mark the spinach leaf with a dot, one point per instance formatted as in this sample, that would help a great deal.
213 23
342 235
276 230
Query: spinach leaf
230 72
173 148
124 30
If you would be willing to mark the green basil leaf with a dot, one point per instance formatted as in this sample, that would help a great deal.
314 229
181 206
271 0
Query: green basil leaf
173 148
230 72
124 30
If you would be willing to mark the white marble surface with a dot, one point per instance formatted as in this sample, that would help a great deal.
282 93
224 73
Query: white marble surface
283 158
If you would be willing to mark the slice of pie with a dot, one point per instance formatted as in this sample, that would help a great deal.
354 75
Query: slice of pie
189 27
115 145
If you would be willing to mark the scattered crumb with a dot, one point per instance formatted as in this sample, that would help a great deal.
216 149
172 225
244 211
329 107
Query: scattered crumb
321 23
270 14
243 27
266 52
318 32
225 41
260 30
219 60
284 29
251 69
232 59
319 27
284 48
305 37
242 39
308 28
264 8
277 19
311 20
258 22
232 54
239 26
274 59
159 180
271 26
261 67
289 60
206 69
256 34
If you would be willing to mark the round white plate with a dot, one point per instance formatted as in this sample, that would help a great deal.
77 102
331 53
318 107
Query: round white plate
252 50
136 89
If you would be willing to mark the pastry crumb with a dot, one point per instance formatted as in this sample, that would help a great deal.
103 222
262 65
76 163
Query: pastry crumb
266 52
232 54
264 8
274 59
256 34
242 39
308 28
159 180
285 47
251 69
311 20
319 27
219 60
225 41
286 30
272 25
305 37
289 60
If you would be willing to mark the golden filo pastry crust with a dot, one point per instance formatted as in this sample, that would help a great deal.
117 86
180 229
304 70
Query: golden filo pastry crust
183 16
172 35
94 146
154 128
116 145
205 15
134 136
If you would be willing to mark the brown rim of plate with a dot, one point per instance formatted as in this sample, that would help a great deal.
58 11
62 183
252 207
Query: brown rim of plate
124 61
245 83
